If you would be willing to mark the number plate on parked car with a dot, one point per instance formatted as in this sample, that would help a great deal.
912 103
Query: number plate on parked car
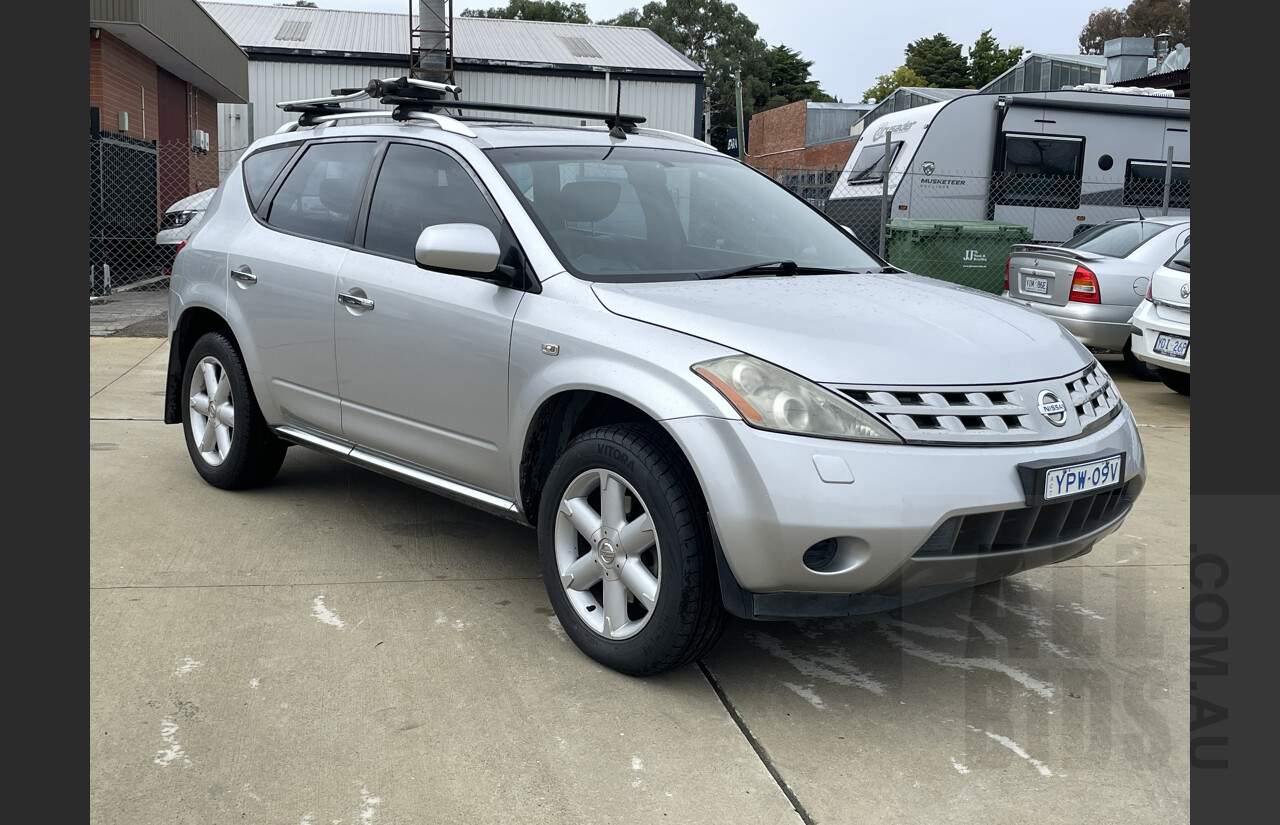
1035 286
1171 345
1081 478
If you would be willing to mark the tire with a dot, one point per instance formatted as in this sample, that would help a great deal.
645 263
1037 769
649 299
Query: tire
1137 367
1179 382
639 601
227 437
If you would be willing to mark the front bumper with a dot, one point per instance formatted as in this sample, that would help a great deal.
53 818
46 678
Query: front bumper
890 523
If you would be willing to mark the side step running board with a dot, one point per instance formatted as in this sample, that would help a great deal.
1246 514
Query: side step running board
439 485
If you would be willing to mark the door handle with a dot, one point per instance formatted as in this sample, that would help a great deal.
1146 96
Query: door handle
355 301
244 274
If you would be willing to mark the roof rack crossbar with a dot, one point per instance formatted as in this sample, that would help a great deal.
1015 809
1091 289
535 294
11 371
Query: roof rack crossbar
316 117
425 96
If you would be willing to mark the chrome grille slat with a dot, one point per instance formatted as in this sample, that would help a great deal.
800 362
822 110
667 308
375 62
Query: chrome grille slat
991 414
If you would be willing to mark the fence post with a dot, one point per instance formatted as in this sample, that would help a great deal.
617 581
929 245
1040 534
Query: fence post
884 190
1168 181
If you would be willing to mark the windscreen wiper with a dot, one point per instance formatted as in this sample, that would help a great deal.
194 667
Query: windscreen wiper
782 267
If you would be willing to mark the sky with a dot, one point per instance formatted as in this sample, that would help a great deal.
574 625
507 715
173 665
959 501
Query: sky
853 42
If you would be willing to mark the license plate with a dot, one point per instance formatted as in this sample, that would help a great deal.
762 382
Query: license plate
1035 286
1171 345
1082 478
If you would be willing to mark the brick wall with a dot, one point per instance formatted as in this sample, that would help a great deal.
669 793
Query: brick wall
777 130
122 80
826 156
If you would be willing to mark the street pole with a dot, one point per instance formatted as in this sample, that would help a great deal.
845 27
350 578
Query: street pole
742 136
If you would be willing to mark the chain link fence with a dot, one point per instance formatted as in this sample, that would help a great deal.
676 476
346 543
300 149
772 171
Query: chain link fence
132 185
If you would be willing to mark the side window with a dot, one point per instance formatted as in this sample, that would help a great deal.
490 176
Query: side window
419 187
321 194
1040 170
869 167
261 168
1144 184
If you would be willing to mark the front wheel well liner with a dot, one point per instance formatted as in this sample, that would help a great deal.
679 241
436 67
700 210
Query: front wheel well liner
558 421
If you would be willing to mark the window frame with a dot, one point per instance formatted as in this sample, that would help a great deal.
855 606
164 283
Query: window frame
1069 184
1130 196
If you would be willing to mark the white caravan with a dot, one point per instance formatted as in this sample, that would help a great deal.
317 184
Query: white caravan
1054 162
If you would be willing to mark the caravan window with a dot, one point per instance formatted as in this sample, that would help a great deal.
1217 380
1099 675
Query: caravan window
870 163
1144 184
1040 170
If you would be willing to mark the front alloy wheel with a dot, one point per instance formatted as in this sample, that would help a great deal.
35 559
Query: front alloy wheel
625 547
607 555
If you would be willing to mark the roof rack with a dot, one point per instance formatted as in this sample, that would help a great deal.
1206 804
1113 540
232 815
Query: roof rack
413 98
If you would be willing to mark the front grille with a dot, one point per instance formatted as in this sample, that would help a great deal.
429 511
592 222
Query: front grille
1094 398
991 414
1026 528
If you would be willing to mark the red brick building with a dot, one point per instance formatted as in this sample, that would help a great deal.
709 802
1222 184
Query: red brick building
157 71
804 145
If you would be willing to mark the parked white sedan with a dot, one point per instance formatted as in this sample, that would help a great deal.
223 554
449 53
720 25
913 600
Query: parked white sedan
1162 322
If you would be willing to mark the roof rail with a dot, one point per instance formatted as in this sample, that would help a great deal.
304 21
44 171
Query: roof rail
424 96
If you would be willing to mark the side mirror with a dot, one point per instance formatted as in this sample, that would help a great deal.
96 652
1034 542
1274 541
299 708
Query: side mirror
466 248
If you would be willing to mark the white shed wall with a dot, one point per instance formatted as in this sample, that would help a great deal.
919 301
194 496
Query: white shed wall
665 105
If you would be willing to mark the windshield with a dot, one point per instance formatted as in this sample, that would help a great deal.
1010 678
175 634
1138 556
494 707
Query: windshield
1115 239
628 215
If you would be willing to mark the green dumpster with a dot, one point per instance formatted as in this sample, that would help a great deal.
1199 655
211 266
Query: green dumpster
972 253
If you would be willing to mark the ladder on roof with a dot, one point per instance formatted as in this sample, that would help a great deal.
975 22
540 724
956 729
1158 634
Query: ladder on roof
413 98
431 41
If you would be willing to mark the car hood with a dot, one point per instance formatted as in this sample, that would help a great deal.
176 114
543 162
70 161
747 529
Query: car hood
199 200
886 329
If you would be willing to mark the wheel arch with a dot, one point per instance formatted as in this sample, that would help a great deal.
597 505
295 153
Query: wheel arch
193 324
563 417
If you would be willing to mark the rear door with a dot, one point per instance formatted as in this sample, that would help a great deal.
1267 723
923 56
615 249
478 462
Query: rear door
284 267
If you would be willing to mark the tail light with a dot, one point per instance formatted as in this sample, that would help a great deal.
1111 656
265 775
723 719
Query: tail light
1006 273
168 270
1150 297
1084 287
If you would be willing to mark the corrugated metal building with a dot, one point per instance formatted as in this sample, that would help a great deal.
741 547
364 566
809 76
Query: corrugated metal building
296 52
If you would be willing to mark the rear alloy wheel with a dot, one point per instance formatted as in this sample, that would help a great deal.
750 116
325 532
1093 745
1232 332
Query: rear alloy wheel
1137 367
1179 382
227 437
626 552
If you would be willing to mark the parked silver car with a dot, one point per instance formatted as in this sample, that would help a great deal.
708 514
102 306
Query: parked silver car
704 396
1092 283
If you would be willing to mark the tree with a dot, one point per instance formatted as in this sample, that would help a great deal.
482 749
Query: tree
938 60
987 60
789 81
886 83
548 11
720 39
1141 18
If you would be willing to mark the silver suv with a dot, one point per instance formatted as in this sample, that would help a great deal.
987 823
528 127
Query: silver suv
705 397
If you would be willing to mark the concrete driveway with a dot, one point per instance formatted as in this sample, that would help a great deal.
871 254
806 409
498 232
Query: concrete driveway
341 648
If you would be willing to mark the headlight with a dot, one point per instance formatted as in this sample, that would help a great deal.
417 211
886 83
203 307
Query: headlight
173 220
771 398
